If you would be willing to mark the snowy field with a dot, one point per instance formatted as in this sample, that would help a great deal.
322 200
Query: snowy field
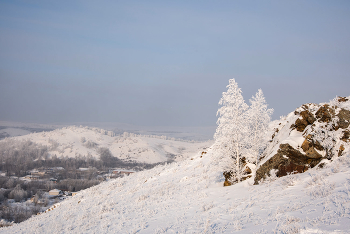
188 197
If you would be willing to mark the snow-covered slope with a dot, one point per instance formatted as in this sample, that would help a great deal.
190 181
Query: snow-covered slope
188 197
85 141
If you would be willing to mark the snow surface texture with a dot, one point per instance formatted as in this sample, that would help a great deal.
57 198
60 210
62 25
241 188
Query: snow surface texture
188 197
85 141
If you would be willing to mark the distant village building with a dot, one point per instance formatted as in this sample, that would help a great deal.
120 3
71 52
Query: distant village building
83 169
58 168
49 170
87 168
36 172
55 192
32 177
54 169
122 172
115 173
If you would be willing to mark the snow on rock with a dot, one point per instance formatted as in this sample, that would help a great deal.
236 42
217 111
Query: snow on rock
75 141
188 197
305 137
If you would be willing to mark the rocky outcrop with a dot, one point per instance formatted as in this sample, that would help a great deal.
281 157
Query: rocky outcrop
346 136
344 118
307 118
341 149
287 160
310 147
323 130
343 99
325 113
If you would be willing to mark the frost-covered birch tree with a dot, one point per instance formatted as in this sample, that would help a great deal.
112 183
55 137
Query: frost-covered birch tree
231 133
259 118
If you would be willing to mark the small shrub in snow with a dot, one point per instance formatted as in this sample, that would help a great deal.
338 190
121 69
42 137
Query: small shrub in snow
207 207
142 198
290 180
261 231
287 225
319 186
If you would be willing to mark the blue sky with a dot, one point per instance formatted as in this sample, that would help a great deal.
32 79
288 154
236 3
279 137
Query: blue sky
166 63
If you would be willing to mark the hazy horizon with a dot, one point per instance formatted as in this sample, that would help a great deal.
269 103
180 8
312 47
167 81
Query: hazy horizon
159 63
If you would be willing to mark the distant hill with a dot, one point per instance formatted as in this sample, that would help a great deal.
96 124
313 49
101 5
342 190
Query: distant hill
75 141
10 129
